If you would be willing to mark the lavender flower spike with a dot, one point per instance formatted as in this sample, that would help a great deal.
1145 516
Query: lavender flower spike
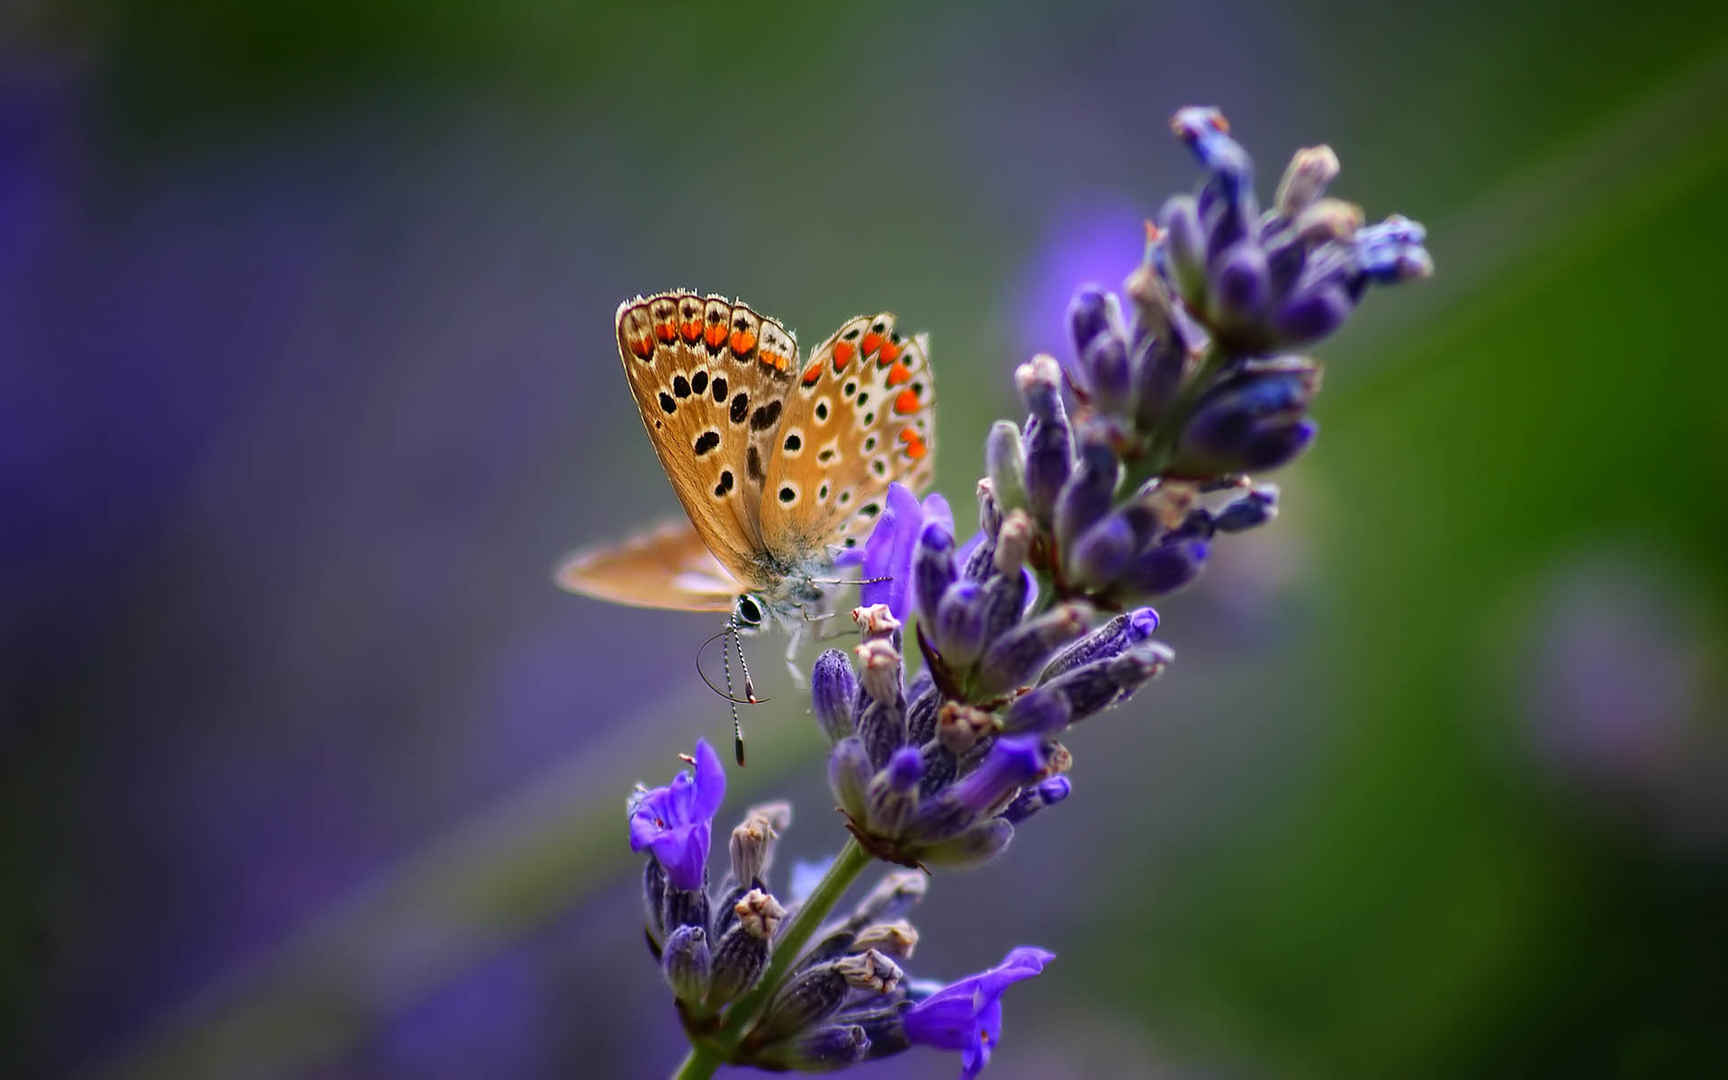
675 822
887 554
967 1015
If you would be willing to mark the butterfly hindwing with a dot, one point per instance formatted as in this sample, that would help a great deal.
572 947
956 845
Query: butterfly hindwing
669 567
857 419
709 377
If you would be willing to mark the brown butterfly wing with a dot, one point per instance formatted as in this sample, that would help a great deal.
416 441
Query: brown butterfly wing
709 377
858 419
669 567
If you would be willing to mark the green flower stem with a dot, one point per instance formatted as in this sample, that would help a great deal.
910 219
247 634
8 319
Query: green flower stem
698 1064
708 1054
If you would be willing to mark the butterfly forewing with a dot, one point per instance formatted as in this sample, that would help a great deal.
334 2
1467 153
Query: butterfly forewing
710 377
857 419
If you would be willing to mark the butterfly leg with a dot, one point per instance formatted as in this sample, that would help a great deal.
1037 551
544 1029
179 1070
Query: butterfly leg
795 639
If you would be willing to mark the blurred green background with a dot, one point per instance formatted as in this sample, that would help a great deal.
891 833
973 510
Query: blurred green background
309 380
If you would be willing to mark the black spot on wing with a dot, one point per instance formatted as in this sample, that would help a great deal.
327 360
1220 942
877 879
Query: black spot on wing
765 416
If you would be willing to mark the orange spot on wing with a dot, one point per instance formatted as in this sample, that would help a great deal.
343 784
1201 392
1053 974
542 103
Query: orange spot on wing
906 401
692 331
890 353
812 373
843 353
643 347
715 335
898 374
665 331
871 343
774 360
742 342
915 446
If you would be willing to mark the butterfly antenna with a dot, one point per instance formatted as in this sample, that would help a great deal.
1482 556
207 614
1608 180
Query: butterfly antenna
851 581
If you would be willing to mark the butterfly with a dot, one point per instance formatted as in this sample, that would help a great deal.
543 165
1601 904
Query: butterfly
780 463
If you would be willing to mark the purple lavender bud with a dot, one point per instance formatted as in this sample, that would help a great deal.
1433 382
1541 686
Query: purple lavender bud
1012 762
894 791
1089 316
989 510
1038 712
978 844
1275 445
883 1026
1036 798
1166 567
654 901
1049 441
823 1050
921 716
1005 463
1392 251
1019 653
882 729
1240 285
1196 526
1225 432
1106 360
1085 498
743 950
806 1000
686 962
1185 242
1311 314
1102 553
1122 632
1091 687
959 624
1005 597
685 907
1101 349
1250 511
1158 365
940 765
932 567
849 774
833 687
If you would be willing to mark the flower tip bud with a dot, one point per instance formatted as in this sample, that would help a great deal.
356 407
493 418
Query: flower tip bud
896 939
879 669
870 970
1311 170
876 620
759 914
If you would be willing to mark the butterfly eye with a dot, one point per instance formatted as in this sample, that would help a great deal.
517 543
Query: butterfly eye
748 611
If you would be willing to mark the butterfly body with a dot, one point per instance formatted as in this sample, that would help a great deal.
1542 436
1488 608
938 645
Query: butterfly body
779 462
